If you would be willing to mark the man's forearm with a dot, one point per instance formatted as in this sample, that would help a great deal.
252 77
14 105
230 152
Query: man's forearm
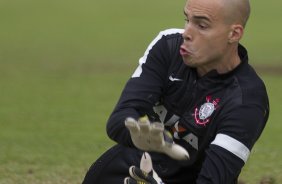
116 129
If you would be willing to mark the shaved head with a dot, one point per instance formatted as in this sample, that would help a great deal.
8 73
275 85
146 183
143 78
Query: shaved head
234 11
212 33
237 11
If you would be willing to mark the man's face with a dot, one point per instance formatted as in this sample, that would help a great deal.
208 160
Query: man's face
206 34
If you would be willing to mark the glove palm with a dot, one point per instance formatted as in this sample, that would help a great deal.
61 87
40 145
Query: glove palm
153 137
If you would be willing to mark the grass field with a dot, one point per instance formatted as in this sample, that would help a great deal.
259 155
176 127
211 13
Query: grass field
64 63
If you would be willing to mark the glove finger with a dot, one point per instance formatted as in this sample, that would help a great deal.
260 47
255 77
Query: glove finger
176 152
168 137
132 125
156 134
141 176
144 125
146 163
129 180
157 127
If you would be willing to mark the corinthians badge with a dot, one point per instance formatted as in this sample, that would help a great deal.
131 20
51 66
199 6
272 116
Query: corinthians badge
202 115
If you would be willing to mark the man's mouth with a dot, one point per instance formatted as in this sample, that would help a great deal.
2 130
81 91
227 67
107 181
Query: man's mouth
184 52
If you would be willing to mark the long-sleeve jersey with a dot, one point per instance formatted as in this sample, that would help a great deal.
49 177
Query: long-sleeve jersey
216 117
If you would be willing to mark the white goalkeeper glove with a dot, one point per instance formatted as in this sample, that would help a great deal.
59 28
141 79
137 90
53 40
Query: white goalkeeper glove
148 136
145 174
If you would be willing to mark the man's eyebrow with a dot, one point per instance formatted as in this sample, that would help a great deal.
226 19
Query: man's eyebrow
198 17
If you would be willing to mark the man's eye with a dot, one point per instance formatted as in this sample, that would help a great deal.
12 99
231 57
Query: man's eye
202 26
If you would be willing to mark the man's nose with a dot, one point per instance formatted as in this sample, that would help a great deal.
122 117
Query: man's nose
187 34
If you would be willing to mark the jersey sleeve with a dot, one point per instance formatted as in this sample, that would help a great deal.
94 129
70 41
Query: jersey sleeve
235 137
142 91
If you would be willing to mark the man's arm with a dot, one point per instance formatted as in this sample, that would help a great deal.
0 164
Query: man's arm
143 90
231 147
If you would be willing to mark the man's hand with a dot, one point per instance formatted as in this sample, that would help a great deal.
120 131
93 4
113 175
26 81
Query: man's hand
144 175
153 137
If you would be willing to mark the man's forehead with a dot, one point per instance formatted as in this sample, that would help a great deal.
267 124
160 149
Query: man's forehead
203 8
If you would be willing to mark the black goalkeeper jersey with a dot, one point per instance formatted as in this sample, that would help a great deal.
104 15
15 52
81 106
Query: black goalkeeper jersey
216 117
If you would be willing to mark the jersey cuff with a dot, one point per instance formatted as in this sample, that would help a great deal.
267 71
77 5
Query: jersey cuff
232 145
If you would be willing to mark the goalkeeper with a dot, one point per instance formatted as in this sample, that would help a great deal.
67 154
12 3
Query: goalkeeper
194 107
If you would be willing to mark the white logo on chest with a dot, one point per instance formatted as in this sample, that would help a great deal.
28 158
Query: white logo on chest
206 110
202 115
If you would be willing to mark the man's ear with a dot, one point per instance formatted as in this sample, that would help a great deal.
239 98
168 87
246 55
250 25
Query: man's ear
236 33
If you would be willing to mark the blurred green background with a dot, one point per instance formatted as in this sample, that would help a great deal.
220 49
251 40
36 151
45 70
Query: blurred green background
63 65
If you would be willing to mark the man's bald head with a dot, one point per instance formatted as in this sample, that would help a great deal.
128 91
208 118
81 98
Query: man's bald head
237 11
232 11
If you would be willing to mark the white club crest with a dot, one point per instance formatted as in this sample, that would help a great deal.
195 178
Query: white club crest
206 110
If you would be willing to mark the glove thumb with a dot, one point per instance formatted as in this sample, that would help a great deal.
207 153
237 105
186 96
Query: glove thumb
146 163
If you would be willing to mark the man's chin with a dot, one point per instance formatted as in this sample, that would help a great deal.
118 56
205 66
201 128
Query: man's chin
189 63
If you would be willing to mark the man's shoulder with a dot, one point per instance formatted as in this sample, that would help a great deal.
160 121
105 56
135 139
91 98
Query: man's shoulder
250 80
171 31
251 88
172 38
